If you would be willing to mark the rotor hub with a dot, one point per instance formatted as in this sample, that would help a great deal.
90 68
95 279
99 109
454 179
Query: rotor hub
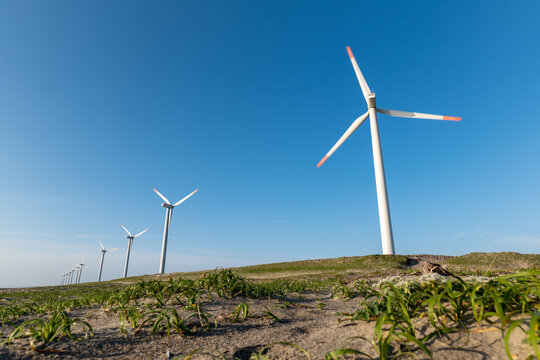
371 101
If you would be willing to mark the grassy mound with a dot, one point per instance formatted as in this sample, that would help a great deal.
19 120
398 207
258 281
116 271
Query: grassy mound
496 262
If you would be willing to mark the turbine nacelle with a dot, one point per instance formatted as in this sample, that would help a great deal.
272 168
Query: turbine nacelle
371 101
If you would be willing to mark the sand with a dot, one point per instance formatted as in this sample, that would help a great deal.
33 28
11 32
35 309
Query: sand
310 323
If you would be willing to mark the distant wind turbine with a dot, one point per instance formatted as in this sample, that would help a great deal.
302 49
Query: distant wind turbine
103 251
130 242
168 216
80 267
71 273
380 180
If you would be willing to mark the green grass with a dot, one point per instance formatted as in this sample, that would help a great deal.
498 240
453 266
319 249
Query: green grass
383 263
369 265
495 261
175 303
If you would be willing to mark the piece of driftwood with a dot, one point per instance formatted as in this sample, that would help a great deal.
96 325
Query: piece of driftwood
429 268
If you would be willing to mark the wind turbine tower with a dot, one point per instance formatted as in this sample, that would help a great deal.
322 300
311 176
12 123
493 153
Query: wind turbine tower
71 273
80 268
103 251
77 274
387 237
130 242
168 215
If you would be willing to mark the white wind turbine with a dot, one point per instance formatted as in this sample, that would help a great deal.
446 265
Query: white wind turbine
71 272
79 270
130 242
168 216
380 180
103 251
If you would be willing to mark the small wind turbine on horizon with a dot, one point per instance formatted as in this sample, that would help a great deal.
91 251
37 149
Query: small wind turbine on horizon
70 276
380 180
103 251
168 215
79 270
130 242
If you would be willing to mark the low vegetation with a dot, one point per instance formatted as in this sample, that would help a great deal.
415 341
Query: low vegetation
379 264
506 302
46 331
397 306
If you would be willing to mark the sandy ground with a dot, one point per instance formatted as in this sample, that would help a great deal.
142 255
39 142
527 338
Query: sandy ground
307 323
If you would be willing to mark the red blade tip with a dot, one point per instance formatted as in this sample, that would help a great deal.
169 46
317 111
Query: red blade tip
350 52
322 161
453 118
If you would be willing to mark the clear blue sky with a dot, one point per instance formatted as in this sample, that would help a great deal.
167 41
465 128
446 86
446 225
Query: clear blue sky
101 101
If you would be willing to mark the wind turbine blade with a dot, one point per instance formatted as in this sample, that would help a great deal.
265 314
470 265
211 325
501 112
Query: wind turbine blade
113 249
142 232
123 227
187 197
344 137
163 197
416 115
102 247
361 80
